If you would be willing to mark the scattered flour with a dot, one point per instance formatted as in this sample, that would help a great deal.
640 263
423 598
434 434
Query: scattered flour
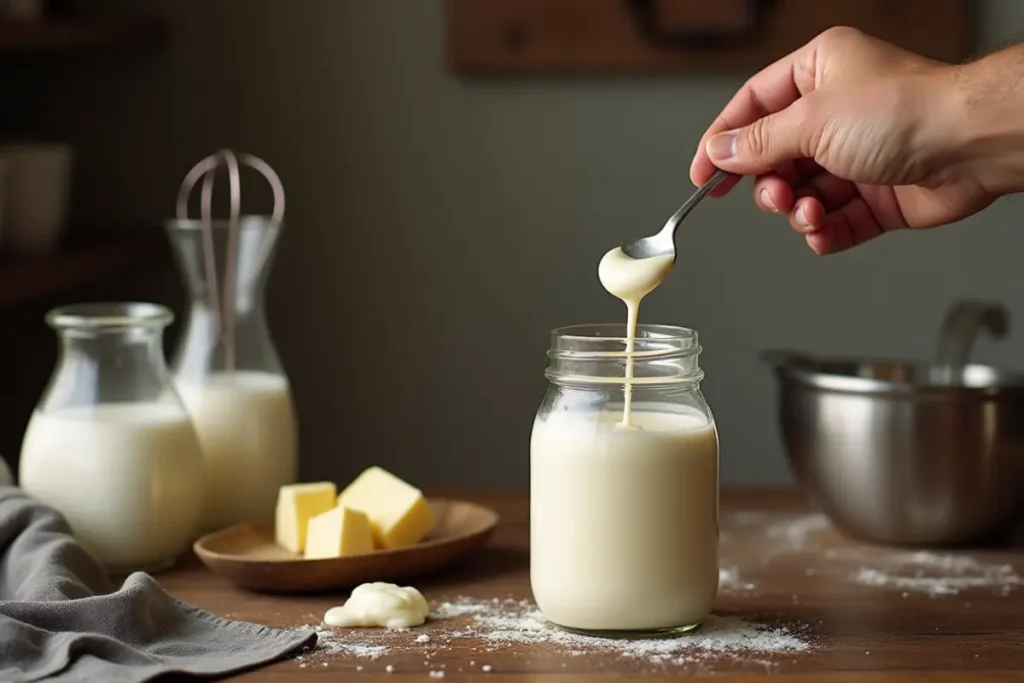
329 643
450 610
749 517
493 625
787 532
729 580
794 532
497 624
521 623
936 574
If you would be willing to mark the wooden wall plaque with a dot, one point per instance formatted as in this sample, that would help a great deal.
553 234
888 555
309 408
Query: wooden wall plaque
600 37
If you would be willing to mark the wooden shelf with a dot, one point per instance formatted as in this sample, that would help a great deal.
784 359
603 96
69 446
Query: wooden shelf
67 34
27 278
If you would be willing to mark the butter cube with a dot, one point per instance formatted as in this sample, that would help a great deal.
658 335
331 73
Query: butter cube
296 503
398 512
339 531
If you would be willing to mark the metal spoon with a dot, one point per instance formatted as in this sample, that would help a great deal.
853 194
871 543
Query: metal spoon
664 242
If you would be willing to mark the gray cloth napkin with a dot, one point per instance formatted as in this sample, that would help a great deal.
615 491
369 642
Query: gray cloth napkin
62 619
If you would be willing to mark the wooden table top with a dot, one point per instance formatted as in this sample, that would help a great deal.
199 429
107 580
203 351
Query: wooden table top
862 613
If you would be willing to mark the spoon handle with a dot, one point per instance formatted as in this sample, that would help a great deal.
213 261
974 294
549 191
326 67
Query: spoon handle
688 206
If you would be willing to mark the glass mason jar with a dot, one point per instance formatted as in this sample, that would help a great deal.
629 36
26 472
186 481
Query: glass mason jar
110 445
624 515
227 370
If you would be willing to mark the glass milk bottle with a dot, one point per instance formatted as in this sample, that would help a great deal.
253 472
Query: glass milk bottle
110 445
624 516
226 368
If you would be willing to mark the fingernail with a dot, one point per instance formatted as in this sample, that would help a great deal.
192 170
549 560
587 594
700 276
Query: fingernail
766 199
722 146
801 218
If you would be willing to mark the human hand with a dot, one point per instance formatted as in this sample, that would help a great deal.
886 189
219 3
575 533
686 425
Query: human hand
851 137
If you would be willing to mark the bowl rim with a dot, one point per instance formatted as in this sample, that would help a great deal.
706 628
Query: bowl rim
806 369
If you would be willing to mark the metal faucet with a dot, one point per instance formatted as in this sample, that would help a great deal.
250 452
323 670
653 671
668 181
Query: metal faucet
963 322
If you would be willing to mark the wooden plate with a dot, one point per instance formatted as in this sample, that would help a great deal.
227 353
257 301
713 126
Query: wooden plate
247 555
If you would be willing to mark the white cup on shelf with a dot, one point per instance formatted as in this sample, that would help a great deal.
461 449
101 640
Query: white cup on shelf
36 196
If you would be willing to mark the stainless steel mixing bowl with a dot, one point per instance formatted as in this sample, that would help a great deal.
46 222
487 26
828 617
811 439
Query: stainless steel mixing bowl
903 453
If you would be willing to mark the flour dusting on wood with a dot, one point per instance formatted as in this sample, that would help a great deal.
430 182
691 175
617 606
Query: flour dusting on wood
938 575
788 533
484 626
730 580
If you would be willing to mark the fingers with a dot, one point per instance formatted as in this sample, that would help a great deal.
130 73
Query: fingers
773 89
830 233
779 191
832 191
773 193
828 211
807 215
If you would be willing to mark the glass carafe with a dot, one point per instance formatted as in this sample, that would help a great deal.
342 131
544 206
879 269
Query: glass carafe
110 445
624 508
228 372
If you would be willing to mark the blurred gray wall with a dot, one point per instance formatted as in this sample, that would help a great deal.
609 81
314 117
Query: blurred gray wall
438 228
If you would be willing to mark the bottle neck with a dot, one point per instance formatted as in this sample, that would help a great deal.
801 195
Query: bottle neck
109 367
248 313
207 346
223 267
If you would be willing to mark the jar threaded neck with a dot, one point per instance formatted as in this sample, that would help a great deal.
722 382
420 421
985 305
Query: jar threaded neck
662 354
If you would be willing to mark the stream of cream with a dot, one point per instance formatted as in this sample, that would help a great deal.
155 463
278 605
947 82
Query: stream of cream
630 280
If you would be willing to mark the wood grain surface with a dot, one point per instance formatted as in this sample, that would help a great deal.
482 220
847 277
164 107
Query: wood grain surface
796 572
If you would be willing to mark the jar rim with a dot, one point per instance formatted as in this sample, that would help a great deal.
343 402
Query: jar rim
108 315
600 353
609 340
652 330
246 221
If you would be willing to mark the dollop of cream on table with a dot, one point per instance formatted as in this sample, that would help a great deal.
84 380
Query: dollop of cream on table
380 604
630 280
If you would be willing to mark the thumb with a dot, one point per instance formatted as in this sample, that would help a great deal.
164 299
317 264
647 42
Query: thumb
765 144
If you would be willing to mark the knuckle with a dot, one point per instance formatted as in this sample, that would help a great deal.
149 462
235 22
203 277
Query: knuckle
838 35
812 125
822 141
758 142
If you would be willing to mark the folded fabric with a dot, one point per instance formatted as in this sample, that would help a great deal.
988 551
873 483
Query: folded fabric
62 619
